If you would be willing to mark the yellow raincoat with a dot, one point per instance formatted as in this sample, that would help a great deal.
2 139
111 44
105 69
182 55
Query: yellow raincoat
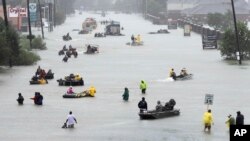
92 91
208 118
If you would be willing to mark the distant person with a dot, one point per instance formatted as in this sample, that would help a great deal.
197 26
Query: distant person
230 120
125 94
65 58
133 39
208 120
38 99
138 38
92 91
70 90
143 87
71 120
159 107
20 99
172 74
143 105
239 118
183 73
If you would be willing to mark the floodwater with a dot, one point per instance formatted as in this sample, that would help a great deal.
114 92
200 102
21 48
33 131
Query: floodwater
106 117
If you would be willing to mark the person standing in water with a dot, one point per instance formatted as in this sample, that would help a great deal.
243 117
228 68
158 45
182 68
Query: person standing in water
143 87
71 120
20 99
125 94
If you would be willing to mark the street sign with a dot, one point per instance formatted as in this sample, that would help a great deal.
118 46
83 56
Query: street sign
209 99
15 12
33 9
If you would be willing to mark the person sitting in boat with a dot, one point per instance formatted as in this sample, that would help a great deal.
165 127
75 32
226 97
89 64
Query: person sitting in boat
183 73
65 58
138 39
172 74
42 74
89 49
38 98
92 91
70 90
38 70
49 72
77 77
34 78
133 39
64 48
159 107
170 105
143 105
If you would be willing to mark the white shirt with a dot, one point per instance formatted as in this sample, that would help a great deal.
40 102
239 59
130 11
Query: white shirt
71 119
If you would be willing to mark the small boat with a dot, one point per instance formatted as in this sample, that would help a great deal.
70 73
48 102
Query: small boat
76 95
159 114
32 82
135 44
62 82
187 77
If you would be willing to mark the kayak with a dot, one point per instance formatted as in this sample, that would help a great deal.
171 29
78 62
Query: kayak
159 114
76 95
36 82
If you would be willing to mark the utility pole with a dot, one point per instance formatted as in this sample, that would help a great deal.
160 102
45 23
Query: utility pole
5 13
238 54
41 22
30 34
54 13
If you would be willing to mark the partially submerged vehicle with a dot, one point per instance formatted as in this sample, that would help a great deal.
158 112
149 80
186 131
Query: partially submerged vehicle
89 24
113 29
161 31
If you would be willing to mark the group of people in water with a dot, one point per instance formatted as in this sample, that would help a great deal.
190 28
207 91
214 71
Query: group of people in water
208 120
38 99
143 86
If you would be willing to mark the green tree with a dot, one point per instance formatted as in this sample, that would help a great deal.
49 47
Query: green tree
220 21
228 46
215 20
11 51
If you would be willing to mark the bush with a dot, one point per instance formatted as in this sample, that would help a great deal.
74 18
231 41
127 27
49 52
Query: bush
26 58
37 43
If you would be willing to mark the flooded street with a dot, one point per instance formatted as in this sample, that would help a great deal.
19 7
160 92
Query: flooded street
106 117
